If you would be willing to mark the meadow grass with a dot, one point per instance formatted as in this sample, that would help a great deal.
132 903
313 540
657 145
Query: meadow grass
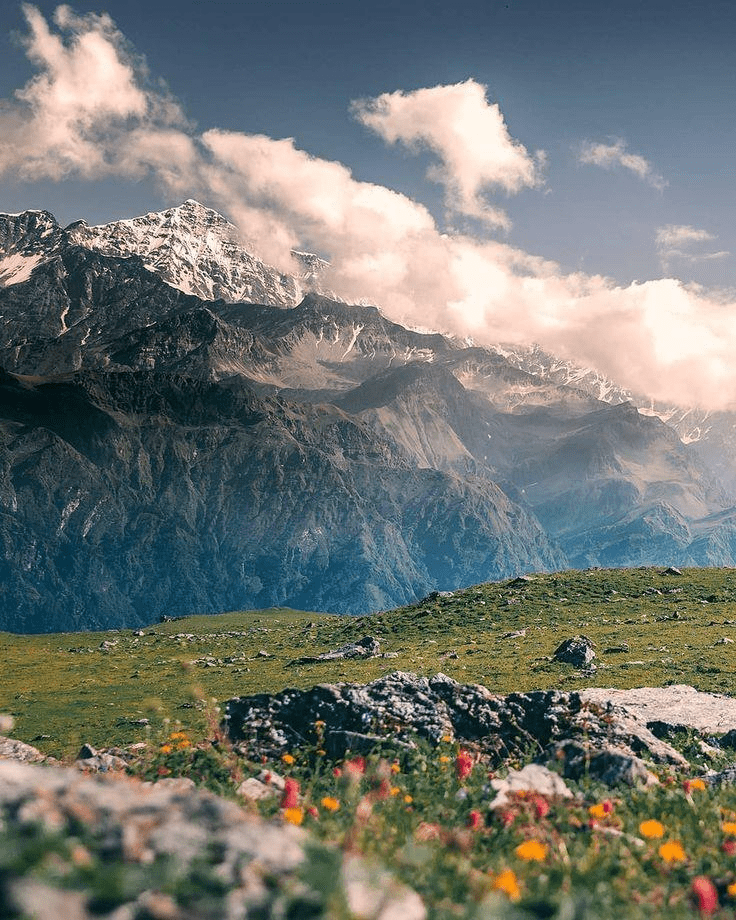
64 689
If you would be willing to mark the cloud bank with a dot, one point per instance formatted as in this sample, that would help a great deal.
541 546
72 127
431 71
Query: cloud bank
609 156
92 110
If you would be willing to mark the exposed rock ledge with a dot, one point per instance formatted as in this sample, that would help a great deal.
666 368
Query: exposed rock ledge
676 706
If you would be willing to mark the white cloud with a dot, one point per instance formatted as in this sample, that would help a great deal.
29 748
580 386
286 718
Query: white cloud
674 242
468 134
608 156
661 337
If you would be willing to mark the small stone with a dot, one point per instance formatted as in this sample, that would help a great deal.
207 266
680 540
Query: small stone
254 790
532 778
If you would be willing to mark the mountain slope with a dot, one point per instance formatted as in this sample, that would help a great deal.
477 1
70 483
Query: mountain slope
128 495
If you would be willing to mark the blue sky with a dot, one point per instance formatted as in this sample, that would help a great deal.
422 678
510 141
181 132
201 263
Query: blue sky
631 104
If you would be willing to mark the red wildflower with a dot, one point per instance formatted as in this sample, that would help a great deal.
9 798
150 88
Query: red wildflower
337 772
705 894
507 818
356 765
729 847
290 798
312 812
541 806
475 820
463 765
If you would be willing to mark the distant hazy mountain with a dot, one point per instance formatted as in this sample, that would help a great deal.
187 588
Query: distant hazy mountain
180 434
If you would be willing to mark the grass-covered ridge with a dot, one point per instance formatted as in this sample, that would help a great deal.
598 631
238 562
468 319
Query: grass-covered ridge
100 687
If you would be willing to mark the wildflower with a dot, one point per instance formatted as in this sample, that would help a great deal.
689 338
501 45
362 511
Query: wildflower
408 799
426 831
290 798
463 765
356 765
293 815
507 883
690 784
321 752
165 749
337 772
531 850
729 827
541 806
445 759
672 851
507 818
395 768
475 820
287 759
446 738
731 890
330 804
652 829
705 894
312 812
319 723
729 847
395 790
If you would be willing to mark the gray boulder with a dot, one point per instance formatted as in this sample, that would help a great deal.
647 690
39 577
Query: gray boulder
577 651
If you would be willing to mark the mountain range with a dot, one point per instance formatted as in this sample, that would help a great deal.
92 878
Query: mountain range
185 428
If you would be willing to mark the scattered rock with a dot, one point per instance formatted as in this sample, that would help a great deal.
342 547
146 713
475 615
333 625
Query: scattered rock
531 778
672 570
7 722
12 749
724 640
516 634
611 765
262 866
91 760
253 790
617 649
577 651
367 647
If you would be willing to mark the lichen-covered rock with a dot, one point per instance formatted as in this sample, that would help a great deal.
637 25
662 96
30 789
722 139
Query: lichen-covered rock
172 828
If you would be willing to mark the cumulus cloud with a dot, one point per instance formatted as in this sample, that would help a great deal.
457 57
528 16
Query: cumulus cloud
71 117
609 156
661 337
468 134
675 242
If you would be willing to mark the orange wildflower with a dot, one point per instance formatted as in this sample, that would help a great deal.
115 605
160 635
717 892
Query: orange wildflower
506 882
330 804
531 850
287 759
690 784
652 829
293 815
672 851
729 827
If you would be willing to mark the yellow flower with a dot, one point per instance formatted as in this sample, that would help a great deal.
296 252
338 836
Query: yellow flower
652 829
446 738
731 890
330 804
178 736
531 850
697 783
319 723
445 759
165 749
729 827
506 882
672 851
408 799
395 790
395 768
287 759
293 815
598 811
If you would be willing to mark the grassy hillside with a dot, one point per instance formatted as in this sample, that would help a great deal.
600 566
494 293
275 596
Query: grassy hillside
64 689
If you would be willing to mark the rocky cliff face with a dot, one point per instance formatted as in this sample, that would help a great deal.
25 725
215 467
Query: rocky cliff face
167 453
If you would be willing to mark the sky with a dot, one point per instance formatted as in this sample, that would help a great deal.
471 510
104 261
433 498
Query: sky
509 171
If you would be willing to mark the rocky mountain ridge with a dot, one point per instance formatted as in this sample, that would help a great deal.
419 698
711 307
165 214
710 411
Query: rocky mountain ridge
316 455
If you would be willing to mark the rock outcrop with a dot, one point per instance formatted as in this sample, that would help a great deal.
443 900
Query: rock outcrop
175 831
551 725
